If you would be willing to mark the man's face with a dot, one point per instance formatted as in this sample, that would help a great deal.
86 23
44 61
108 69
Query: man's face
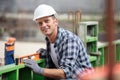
47 25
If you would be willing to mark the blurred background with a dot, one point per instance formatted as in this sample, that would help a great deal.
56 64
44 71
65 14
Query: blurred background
16 17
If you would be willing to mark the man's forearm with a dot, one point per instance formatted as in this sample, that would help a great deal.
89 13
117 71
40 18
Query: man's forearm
54 73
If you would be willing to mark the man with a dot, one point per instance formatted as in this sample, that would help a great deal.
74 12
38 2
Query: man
65 54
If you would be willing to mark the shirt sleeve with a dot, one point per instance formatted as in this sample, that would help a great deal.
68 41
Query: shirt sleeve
70 54
74 58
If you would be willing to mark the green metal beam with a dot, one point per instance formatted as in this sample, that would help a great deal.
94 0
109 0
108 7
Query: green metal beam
19 72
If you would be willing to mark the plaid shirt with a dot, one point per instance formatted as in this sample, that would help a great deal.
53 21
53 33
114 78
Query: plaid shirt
71 54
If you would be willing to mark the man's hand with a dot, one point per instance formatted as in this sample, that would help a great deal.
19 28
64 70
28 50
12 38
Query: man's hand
41 50
34 66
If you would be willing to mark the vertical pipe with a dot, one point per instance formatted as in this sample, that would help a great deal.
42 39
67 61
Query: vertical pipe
73 20
77 19
110 36
69 15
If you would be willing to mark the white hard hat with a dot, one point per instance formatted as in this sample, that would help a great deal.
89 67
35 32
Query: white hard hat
42 11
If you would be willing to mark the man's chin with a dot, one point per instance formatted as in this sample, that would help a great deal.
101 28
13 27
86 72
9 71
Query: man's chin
46 34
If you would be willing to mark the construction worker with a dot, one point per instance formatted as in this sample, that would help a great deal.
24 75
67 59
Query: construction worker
65 54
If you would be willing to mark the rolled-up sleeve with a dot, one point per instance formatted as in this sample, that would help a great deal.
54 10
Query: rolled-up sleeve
70 54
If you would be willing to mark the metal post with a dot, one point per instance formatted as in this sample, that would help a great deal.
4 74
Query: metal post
77 19
110 36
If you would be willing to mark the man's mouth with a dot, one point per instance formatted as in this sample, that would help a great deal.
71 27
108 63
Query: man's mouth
45 29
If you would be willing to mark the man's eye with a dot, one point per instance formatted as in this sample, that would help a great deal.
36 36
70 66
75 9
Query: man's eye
40 23
46 21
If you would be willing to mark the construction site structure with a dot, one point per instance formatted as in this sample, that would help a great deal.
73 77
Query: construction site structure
88 33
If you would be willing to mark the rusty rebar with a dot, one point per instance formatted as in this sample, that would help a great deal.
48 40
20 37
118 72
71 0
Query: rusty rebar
110 26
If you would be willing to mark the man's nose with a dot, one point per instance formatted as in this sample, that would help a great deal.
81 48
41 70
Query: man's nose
43 24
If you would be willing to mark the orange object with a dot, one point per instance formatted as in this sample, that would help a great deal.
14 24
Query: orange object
116 69
10 44
99 73
11 40
34 56
9 48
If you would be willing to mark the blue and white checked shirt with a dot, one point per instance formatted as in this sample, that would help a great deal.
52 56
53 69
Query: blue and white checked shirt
71 54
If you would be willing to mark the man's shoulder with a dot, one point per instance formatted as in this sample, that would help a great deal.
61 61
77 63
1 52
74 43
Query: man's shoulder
68 35
65 32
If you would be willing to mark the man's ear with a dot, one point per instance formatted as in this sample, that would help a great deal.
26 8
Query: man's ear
56 21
